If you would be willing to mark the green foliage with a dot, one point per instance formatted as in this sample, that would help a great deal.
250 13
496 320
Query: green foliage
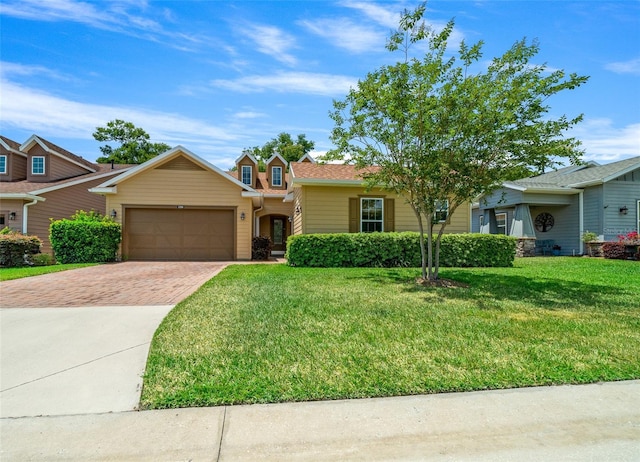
6 230
397 250
589 236
261 248
88 237
16 249
135 147
292 150
43 259
448 127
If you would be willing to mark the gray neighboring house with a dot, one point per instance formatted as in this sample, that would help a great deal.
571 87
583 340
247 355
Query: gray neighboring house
557 207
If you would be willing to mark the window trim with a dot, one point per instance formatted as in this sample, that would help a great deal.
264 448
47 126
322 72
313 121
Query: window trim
44 169
439 209
498 223
273 176
242 170
381 220
3 168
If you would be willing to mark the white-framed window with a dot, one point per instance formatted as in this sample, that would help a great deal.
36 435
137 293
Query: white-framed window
246 174
501 219
481 221
276 176
3 165
442 211
37 165
371 214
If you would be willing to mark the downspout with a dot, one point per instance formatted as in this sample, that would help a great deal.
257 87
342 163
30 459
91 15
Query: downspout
581 218
25 213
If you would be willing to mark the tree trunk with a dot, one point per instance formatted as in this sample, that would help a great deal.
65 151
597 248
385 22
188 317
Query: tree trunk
423 253
430 251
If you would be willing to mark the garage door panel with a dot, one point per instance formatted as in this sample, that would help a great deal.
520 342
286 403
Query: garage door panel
179 235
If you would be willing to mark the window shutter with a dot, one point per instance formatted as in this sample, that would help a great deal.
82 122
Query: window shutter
389 215
354 214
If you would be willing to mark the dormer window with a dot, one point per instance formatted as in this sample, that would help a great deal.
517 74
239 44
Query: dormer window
3 165
246 174
37 165
276 176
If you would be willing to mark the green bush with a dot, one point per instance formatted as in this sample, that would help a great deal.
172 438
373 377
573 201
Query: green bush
87 237
16 249
43 259
397 249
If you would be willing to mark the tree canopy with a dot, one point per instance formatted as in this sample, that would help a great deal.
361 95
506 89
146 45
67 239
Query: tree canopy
446 128
135 147
284 144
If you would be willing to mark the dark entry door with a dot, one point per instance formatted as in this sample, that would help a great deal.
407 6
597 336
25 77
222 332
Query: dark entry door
279 233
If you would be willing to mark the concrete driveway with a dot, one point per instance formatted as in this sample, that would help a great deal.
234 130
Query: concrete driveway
76 342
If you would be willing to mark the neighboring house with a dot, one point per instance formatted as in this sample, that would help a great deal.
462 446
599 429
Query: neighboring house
40 181
178 206
560 206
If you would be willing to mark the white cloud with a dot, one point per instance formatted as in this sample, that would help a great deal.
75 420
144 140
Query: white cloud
386 17
346 34
8 69
248 115
603 142
63 118
272 42
625 67
125 17
290 82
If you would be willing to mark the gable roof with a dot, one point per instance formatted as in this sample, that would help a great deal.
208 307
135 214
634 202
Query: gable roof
311 173
576 176
307 158
11 145
56 150
247 154
276 156
107 186
26 189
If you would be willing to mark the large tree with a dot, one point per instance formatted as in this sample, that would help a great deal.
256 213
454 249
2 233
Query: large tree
446 129
284 144
135 147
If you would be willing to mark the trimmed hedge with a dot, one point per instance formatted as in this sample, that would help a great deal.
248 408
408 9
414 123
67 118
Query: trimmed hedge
16 249
398 249
85 238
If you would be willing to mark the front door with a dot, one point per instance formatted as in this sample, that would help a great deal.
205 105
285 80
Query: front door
278 233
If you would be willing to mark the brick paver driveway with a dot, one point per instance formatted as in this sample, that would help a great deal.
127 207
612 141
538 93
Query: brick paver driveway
126 284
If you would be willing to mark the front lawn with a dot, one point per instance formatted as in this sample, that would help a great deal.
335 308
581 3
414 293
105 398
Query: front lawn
271 333
7 274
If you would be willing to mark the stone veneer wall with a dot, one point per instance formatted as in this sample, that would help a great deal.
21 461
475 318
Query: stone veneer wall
526 247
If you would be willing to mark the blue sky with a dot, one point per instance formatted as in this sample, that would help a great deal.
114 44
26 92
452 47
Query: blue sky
218 76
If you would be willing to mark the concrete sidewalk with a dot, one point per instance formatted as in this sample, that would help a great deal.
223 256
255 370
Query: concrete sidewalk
566 423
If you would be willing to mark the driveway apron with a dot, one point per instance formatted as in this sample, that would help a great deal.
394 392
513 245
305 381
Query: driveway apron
76 342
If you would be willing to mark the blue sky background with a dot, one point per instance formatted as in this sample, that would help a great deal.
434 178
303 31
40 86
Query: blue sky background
220 76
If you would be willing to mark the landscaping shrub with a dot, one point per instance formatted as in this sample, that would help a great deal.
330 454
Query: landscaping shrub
397 249
87 237
16 249
261 248
43 259
613 250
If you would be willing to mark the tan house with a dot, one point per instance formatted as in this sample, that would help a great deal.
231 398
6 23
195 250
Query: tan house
40 181
178 206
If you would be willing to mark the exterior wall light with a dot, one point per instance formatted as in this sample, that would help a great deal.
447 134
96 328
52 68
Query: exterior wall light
624 210
12 216
298 210
113 214
242 216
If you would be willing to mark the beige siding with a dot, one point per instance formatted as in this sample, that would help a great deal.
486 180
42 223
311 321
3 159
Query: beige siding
326 210
173 188
62 203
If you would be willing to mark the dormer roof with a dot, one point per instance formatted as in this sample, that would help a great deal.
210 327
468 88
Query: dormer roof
51 148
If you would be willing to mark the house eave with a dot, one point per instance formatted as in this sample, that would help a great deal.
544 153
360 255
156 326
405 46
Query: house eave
21 196
325 182
107 190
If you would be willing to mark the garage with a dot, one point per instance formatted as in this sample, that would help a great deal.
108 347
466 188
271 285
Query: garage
185 234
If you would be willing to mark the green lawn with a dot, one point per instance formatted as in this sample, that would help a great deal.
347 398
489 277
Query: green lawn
271 333
7 274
